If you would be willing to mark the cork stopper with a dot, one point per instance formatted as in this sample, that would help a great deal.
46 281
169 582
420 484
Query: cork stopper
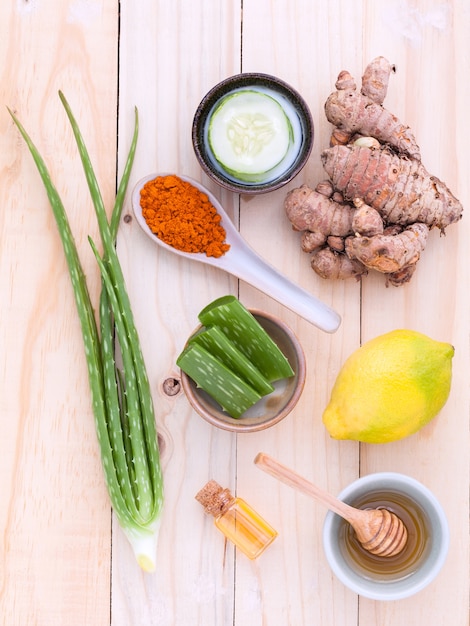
214 498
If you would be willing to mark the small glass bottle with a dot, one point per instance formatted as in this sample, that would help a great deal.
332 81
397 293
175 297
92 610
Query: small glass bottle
236 519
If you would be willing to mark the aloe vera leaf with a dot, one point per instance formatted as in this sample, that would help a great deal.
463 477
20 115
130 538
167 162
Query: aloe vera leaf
233 394
136 381
140 457
243 329
141 536
88 326
141 423
217 343
116 399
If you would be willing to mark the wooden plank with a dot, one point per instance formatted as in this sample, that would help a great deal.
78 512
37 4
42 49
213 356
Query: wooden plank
426 43
166 68
301 587
54 511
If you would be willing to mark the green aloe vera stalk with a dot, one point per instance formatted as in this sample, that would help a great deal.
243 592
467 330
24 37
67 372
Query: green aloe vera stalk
121 400
217 343
242 328
233 394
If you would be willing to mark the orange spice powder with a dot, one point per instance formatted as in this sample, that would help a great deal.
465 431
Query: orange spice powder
182 216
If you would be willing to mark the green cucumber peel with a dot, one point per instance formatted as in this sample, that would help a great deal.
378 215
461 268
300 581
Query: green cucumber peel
246 333
233 394
215 341
249 134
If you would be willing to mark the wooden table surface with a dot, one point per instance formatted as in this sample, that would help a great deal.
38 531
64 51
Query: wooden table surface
63 558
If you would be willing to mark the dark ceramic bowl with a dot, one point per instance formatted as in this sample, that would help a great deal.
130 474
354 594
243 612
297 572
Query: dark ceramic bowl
294 106
272 408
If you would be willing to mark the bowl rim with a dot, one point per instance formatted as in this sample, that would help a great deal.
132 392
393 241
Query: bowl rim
247 79
393 590
233 424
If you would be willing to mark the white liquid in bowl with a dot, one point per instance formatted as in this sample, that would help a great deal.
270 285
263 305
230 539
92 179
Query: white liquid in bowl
292 152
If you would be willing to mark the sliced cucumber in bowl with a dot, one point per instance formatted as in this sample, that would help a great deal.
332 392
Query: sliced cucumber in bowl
249 134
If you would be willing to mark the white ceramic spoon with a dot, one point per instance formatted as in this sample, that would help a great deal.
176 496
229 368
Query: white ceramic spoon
244 263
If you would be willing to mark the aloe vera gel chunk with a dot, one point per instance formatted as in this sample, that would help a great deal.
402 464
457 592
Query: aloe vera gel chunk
233 358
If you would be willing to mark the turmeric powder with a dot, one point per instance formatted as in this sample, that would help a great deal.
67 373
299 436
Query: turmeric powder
182 216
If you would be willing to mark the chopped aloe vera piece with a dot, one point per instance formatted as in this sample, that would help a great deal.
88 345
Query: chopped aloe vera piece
244 330
233 394
218 344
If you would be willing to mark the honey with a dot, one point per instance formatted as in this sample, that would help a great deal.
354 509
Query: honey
393 568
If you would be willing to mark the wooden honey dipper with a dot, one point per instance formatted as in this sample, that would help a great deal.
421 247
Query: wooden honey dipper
379 531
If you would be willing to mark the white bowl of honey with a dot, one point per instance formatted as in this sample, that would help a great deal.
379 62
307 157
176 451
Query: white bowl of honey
400 576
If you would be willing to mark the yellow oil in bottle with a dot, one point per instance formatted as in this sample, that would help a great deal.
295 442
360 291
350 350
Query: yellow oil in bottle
236 519
248 530
395 567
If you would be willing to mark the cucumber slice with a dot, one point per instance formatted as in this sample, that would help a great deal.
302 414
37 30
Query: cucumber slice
244 330
249 133
217 343
233 394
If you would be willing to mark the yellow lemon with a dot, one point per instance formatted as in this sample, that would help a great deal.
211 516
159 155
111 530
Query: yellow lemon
390 388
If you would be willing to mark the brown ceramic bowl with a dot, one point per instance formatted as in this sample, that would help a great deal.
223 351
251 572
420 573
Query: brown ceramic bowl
272 408
295 107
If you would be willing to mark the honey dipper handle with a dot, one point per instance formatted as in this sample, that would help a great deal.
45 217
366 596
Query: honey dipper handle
291 478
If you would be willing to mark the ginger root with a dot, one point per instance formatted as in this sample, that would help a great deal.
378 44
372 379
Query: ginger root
366 221
389 253
361 112
319 214
401 189
329 264
377 207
